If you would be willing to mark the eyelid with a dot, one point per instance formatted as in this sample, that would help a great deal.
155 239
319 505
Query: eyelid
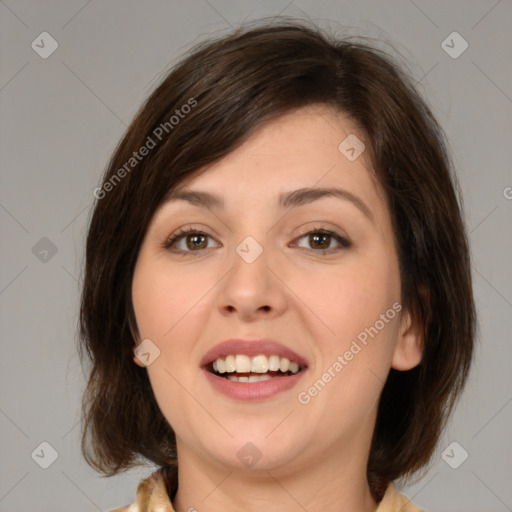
182 233
344 242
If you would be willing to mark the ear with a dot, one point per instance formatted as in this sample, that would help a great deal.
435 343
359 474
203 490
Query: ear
135 335
136 361
409 347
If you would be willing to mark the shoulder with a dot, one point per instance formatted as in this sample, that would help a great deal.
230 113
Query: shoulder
393 501
151 496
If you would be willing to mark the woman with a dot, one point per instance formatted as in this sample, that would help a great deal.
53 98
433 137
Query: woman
277 301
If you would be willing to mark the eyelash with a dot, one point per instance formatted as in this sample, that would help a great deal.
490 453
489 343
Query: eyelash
344 243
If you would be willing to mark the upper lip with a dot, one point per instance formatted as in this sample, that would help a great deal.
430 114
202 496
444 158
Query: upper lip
251 348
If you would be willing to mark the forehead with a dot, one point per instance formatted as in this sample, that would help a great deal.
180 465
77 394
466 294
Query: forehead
311 147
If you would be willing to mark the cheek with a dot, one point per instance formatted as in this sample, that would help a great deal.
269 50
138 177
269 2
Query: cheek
163 297
167 306
361 310
357 305
346 301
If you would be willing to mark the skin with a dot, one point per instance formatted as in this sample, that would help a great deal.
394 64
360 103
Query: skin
314 455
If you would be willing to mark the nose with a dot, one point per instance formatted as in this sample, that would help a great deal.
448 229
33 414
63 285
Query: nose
252 287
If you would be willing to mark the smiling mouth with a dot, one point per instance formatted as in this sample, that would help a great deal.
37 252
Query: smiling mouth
242 368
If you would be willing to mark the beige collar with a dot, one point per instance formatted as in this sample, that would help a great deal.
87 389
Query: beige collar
152 497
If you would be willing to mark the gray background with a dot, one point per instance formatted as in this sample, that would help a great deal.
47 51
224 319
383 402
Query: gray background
62 116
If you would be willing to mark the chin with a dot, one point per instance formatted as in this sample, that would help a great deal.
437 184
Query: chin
255 451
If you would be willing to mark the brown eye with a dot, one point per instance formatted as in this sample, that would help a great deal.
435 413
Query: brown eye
319 240
194 239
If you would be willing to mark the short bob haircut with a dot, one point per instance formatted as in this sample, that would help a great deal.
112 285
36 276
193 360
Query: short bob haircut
210 103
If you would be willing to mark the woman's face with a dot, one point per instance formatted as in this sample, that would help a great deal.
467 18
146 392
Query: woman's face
316 275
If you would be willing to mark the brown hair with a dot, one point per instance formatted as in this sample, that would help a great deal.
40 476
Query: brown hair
233 85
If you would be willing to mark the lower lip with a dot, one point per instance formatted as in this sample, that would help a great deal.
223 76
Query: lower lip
253 391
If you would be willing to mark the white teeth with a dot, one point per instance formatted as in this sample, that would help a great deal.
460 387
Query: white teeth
273 363
230 364
259 364
221 366
241 363
257 378
252 378
284 366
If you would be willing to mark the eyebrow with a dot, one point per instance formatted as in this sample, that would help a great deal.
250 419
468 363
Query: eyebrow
287 200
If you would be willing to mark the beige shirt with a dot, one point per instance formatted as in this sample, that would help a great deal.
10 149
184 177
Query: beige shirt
152 497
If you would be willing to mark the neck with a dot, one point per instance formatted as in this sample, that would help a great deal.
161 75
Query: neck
327 483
